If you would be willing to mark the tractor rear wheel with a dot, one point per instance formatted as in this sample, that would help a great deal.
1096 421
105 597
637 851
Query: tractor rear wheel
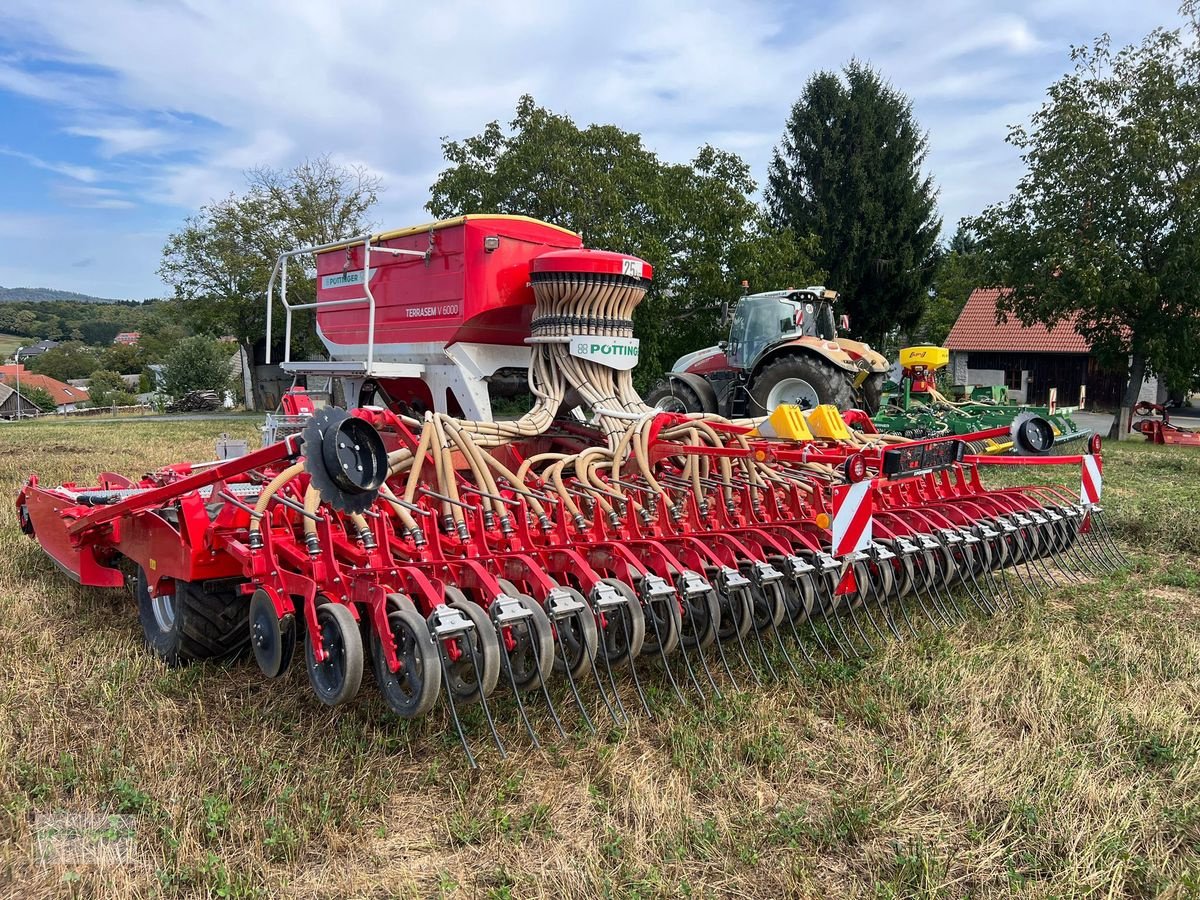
189 624
672 395
803 381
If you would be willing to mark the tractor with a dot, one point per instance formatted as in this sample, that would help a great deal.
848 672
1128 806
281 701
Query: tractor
783 348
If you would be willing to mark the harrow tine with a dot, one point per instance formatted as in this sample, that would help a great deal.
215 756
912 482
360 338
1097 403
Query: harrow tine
570 677
658 641
814 577
762 650
885 611
637 682
848 649
1102 541
537 659
858 626
737 632
487 712
512 680
591 653
862 601
687 662
700 653
791 620
910 575
946 602
778 589
1106 530
929 577
462 737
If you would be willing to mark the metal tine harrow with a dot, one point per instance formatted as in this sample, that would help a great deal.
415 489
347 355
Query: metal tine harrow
735 562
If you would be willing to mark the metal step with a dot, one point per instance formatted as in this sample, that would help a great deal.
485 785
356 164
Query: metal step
354 367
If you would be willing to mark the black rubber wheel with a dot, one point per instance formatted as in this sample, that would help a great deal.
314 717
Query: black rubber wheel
624 632
532 657
463 682
701 617
663 620
872 392
735 613
192 624
828 383
338 679
413 689
672 395
576 639
766 605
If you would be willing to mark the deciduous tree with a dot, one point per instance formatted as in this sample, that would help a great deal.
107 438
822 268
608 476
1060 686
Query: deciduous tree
696 223
220 262
1105 222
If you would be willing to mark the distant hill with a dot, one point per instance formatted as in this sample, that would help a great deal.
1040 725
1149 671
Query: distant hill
45 295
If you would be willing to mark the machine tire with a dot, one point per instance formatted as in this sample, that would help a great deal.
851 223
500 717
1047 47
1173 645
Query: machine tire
831 384
194 624
872 393
337 680
681 397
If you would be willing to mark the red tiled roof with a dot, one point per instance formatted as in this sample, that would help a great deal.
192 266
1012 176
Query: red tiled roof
62 393
976 329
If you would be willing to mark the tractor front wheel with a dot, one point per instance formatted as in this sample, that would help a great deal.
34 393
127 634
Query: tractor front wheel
672 395
803 381
872 393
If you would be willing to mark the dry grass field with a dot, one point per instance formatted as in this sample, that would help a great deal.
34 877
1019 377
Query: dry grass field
1049 751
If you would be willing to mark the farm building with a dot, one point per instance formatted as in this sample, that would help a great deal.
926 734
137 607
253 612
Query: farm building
66 397
1030 360
14 406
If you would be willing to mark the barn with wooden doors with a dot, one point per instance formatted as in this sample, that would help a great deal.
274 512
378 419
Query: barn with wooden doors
1030 360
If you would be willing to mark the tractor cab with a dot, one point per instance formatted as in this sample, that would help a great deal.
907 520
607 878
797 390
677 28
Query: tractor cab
761 321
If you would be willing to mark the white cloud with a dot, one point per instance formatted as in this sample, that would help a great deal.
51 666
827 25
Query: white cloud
70 170
195 93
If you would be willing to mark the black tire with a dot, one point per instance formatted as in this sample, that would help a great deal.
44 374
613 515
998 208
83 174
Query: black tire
463 681
872 393
672 395
414 689
192 624
337 680
831 384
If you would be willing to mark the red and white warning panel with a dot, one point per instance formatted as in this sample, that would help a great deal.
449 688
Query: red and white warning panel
1092 482
853 518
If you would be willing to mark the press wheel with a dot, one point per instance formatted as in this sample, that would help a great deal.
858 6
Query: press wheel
530 666
413 689
338 678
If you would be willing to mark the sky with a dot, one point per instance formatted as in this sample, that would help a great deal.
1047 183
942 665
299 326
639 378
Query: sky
120 118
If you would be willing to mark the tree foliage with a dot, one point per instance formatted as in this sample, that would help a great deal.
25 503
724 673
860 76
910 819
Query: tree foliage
696 223
39 397
196 363
220 262
849 171
65 320
1105 222
66 361
104 384
955 277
